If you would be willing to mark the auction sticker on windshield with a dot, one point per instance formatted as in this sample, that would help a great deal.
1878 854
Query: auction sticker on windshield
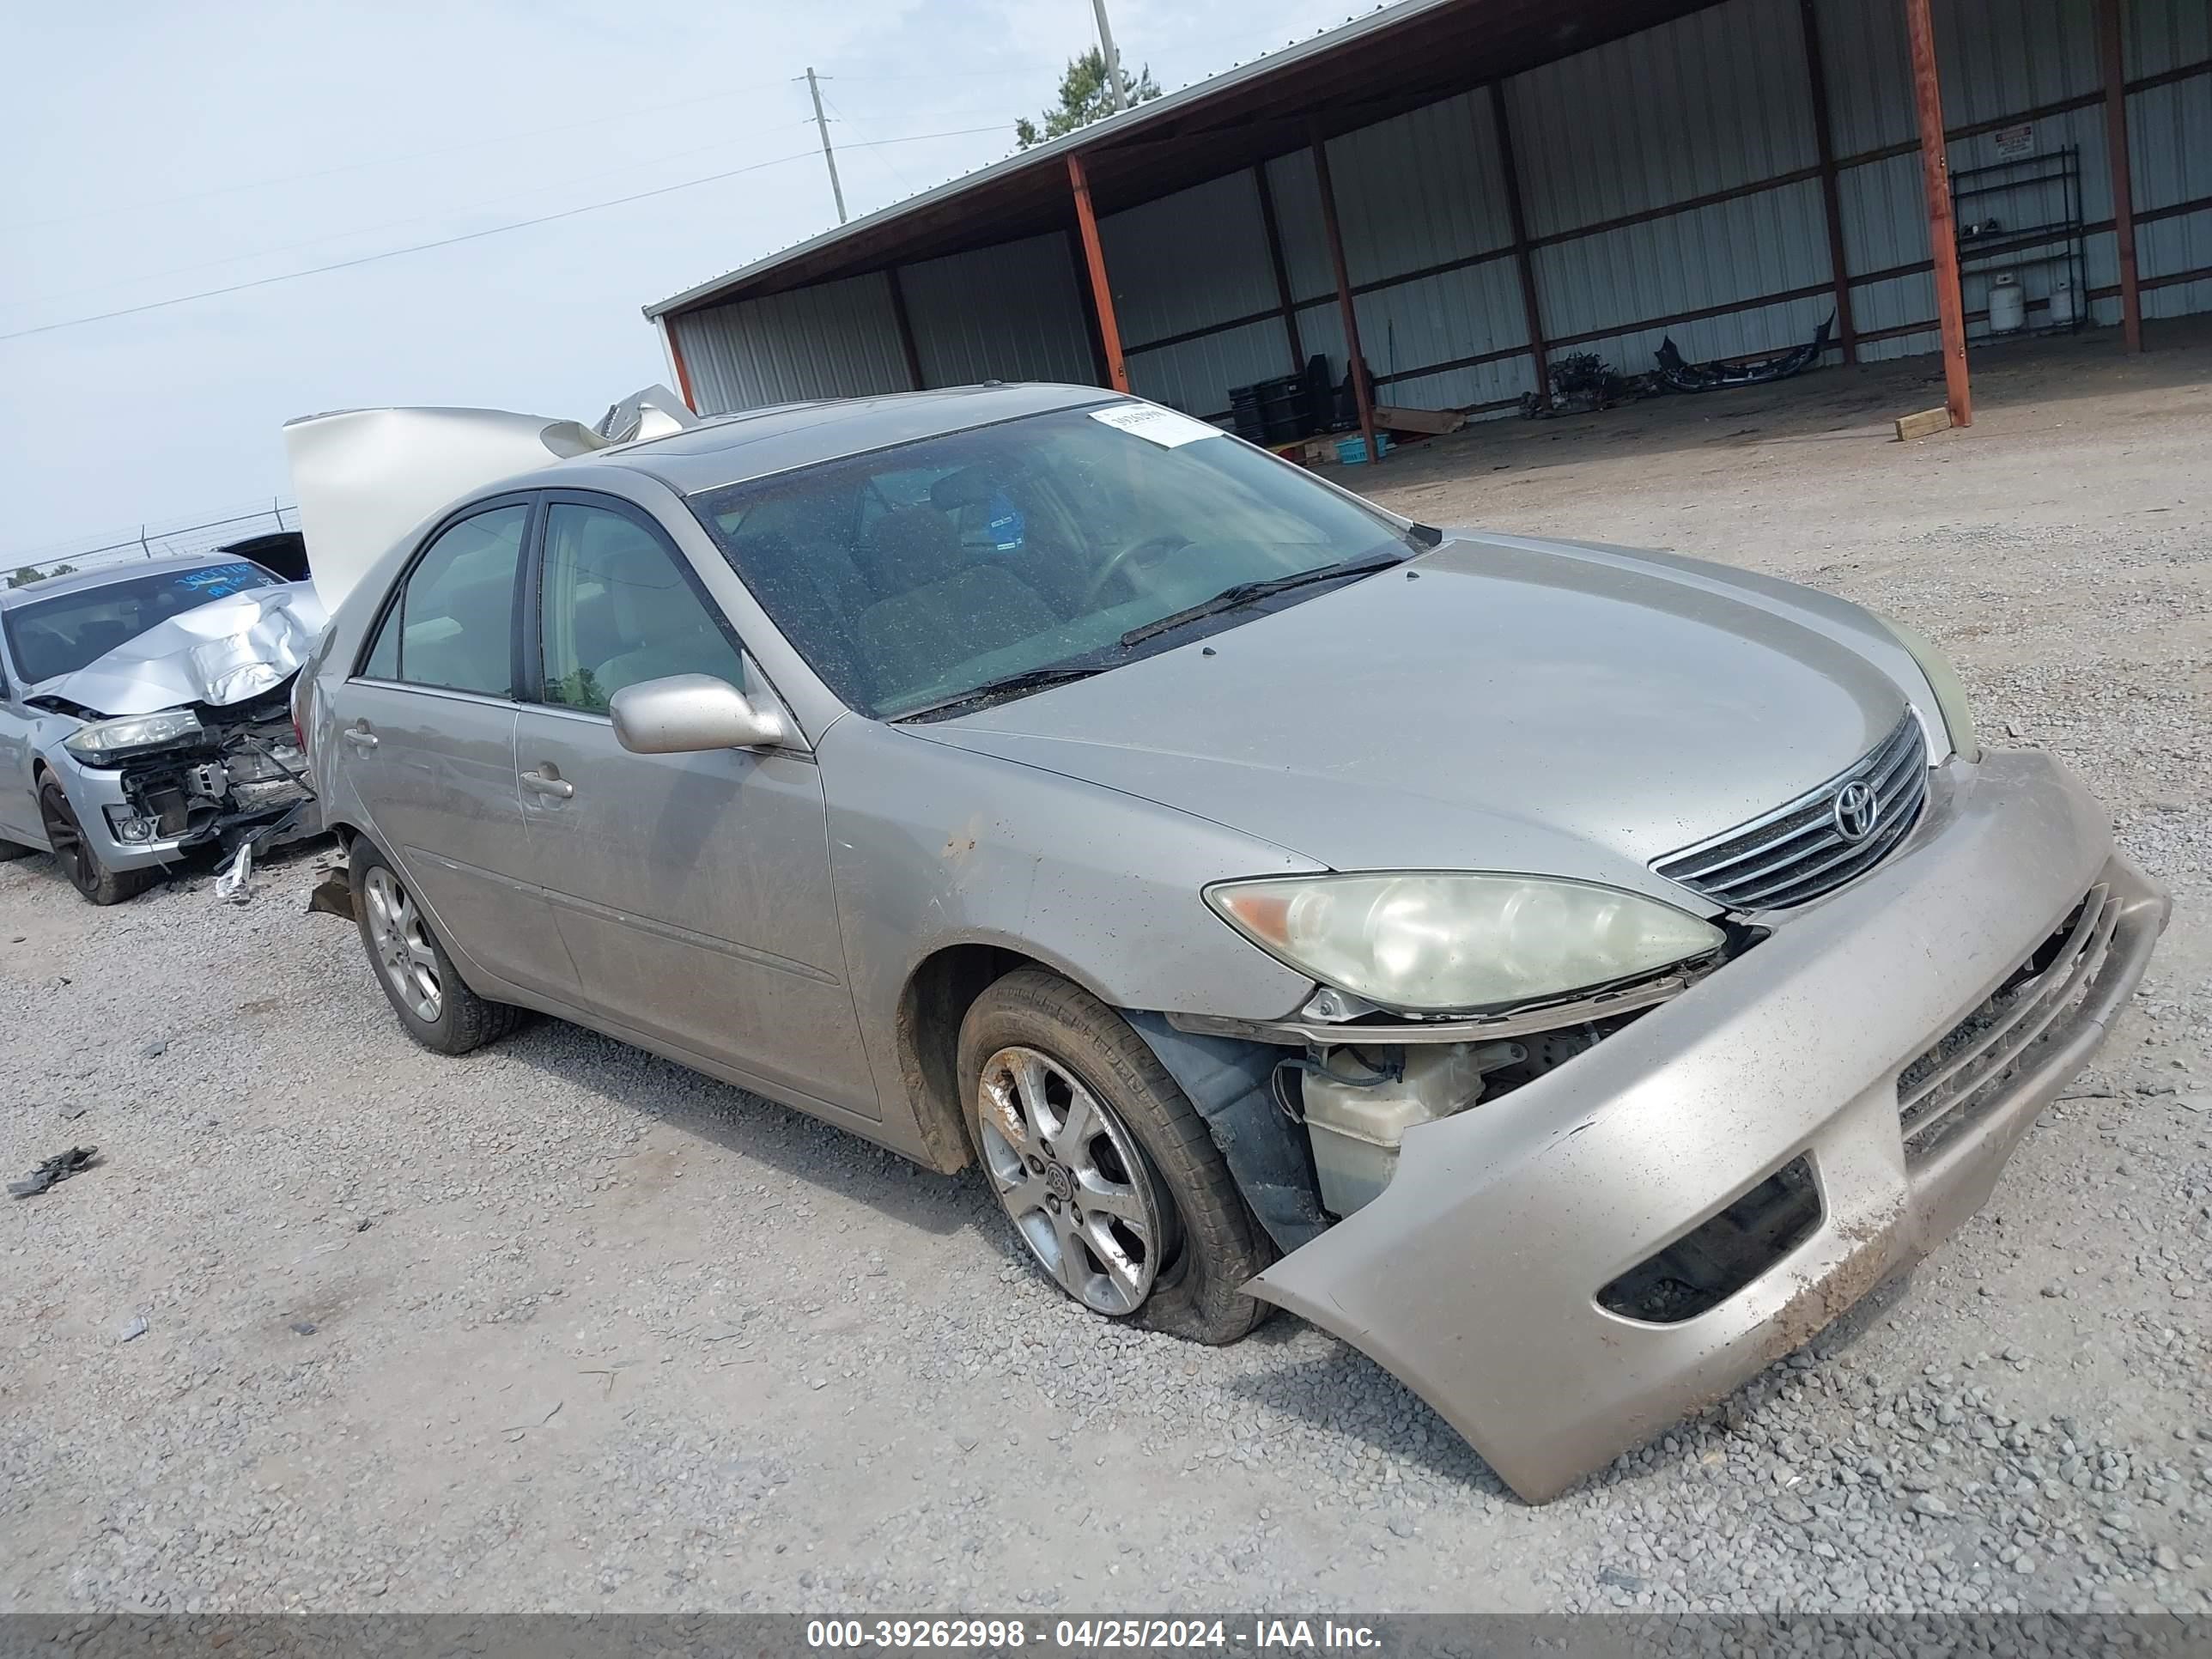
1161 426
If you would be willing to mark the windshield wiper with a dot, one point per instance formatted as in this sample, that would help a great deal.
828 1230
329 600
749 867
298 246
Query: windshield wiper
1244 593
1010 685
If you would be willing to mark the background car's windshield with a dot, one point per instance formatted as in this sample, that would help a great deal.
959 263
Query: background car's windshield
913 575
60 636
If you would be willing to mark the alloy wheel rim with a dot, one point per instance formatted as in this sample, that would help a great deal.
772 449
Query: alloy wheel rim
1071 1179
66 838
402 946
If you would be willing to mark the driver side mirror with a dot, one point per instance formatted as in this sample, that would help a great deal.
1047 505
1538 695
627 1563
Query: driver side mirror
690 714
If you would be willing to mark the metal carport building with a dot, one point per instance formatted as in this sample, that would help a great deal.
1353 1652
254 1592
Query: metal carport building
1466 189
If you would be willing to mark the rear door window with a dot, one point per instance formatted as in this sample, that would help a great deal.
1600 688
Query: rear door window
451 625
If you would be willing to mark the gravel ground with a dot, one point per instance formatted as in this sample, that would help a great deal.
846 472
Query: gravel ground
564 1326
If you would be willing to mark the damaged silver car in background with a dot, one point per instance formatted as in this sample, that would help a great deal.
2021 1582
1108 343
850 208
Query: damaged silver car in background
145 714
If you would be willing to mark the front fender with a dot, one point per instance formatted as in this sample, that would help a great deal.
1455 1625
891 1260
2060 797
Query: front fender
932 846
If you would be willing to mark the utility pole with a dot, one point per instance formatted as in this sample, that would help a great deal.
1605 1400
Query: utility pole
1113 58
828 155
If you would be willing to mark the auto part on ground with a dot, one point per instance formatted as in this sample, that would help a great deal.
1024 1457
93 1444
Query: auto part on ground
58 1167
231 885
1679 376
1583 383
364 477
332 895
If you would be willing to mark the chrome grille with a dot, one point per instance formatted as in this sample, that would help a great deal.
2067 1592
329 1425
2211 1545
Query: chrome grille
1797 852
1969 1067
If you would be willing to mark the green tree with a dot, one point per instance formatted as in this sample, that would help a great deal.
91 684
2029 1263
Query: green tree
1083 98
26 574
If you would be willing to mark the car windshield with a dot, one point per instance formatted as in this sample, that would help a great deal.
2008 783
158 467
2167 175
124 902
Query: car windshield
913 577
60 636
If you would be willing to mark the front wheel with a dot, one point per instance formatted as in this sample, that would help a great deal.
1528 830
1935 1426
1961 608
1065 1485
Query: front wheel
1102 1164
78 860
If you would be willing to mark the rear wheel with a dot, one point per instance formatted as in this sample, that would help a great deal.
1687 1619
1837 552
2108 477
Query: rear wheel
1105 1168
75 856
419 978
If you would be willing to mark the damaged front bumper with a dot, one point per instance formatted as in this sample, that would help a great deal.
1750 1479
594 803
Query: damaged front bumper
246 778
1981 964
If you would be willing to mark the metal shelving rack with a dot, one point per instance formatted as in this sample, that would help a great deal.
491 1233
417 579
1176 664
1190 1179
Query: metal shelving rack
2058 241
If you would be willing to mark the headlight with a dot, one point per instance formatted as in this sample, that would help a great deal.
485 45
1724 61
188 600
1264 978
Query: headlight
103 741
1438 941
1950 692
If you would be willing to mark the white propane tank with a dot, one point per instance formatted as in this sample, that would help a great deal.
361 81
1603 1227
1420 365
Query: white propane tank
2007 305
2063 311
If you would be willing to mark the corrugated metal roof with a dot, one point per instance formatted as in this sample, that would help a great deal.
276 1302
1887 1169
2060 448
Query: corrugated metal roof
1400 57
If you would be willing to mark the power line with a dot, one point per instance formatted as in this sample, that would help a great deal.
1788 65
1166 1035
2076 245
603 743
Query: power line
919 137
450 241
386 161
882 160
396 252
411 218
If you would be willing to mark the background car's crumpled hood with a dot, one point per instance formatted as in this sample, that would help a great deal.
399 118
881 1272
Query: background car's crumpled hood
1520 706
224 652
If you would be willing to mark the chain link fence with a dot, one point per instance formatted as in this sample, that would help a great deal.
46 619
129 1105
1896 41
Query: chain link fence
150 541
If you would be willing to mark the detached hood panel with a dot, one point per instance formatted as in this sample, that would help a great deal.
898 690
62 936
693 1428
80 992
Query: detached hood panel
226 651
1496 704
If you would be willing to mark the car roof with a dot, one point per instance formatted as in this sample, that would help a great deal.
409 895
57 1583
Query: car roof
101 575
733 449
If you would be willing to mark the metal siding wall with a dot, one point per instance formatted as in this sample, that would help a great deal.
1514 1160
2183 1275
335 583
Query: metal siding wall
1196 375
2001 57
834 340
1188 260
1869 73
1455 313
1421 189
1737 250
1009 312
2166 34
1997 56
1296 187
1703 103
2170 142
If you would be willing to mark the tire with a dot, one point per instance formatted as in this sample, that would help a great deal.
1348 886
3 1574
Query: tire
1200 1241
74 855
411 964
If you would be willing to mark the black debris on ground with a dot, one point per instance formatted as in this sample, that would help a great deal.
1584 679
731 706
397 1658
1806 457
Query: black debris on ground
60 1167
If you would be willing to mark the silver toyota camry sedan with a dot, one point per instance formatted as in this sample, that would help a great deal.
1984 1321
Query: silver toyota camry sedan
1572 976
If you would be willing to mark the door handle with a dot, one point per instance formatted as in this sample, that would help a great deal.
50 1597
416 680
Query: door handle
539 783
358 738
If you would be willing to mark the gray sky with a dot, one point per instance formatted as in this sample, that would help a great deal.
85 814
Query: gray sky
156 150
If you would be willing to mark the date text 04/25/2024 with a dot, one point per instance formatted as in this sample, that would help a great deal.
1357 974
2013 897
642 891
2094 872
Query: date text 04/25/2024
1084 1635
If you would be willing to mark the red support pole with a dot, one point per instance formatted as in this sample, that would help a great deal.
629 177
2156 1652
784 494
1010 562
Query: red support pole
1282 270
1942 232
2110 30
676 357
1355 362
905 326
1518 219
1094 257
1823 139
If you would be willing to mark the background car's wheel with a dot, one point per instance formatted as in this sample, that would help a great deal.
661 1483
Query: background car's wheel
76 857
425 989
1103 1166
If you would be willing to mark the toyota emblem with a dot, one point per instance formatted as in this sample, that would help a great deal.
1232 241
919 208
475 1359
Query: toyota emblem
1856 811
